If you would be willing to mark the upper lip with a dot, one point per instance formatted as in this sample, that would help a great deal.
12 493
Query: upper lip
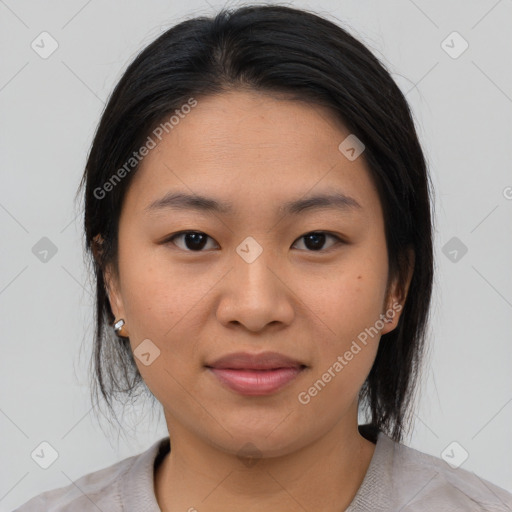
261 361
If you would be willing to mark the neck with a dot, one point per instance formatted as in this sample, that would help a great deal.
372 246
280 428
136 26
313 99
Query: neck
323 476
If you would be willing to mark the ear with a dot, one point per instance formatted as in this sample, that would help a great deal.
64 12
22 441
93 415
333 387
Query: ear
397 293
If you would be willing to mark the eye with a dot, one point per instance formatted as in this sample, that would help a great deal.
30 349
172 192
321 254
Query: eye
194 241
316 239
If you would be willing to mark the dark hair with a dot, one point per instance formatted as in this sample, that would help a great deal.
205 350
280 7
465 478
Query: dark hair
274 49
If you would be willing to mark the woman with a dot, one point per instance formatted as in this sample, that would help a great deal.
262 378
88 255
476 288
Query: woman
257 206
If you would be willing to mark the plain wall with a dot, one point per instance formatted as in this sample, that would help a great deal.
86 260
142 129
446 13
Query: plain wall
49 109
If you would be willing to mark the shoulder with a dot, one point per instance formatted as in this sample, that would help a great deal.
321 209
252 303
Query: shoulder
422 482
105 489
87 493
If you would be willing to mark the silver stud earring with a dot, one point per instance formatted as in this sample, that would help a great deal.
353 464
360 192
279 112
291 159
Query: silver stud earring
118 327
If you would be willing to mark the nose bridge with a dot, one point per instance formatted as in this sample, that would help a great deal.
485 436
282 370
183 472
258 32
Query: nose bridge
254 295
252 262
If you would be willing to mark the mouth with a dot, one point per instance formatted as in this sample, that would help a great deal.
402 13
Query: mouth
256 374
256 382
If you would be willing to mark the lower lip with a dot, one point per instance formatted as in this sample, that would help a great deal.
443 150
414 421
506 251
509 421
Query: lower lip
256 382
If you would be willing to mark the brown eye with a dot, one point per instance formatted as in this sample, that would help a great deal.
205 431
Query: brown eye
194 241
315 240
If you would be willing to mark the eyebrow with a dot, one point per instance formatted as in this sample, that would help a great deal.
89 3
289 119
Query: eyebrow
183 201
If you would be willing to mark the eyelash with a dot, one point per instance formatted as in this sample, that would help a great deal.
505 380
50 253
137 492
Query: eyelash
181 233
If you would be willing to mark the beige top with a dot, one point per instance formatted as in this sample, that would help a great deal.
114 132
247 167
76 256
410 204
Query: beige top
398 478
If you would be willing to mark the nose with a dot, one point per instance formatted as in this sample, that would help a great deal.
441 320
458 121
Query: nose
256 295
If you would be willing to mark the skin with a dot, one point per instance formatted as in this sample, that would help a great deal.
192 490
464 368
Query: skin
256 151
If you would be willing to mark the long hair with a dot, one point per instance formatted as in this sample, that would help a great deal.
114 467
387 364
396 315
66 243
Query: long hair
274 49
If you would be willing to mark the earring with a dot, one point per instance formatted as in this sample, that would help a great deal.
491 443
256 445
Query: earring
118 328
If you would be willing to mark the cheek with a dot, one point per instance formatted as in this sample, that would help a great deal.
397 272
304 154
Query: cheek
349 301
160 305
167 304
156 296
346 341
347 311
150 303
149 279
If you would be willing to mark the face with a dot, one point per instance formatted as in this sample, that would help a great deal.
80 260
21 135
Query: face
252 277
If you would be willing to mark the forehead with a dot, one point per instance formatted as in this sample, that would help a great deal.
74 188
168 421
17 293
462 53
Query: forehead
252 149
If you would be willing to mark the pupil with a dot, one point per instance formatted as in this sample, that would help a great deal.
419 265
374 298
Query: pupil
197 243
318 240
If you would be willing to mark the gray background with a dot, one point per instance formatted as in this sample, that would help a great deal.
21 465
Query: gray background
49 109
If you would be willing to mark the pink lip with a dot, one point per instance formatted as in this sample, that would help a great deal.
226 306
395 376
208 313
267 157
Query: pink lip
260 361
256 382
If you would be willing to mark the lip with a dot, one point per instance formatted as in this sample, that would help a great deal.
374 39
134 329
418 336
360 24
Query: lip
256 382
255 374
261 361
